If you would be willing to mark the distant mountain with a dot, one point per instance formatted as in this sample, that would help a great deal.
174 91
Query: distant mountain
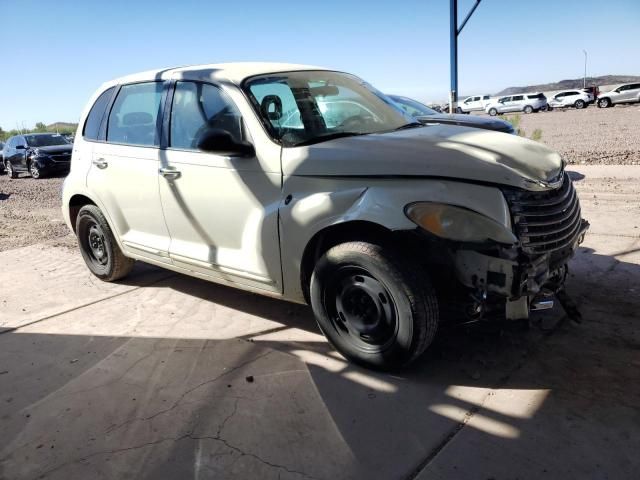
570 84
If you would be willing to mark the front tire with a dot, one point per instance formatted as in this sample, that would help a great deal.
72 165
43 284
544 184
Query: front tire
493 112
98 246
35 171
9 169
604 103
580 104
373 306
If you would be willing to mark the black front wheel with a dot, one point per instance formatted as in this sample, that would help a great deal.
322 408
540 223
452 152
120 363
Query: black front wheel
98 246
373 306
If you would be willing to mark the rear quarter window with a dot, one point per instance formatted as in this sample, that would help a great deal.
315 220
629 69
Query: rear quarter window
91 128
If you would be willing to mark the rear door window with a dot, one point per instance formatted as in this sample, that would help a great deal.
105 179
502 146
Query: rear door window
134 116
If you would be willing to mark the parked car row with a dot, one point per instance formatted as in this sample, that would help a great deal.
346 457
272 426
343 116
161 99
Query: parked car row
537 101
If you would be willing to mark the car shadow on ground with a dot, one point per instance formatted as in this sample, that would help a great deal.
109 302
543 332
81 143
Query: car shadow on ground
256 407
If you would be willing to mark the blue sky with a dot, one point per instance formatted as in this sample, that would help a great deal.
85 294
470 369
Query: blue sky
57 53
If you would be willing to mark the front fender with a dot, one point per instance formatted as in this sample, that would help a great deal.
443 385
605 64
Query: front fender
318 203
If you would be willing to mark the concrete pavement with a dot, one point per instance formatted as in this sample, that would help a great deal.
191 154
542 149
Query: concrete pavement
165 376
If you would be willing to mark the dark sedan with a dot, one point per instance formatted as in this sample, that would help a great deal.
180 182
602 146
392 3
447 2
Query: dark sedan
39 154
424 114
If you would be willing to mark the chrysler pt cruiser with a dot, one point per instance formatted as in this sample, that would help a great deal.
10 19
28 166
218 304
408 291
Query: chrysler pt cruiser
312 186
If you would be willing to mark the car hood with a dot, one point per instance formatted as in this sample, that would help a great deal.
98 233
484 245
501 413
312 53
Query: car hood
443 151
54 149
468 121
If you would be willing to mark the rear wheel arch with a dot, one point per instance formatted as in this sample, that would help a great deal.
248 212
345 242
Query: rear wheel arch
325 239
76 202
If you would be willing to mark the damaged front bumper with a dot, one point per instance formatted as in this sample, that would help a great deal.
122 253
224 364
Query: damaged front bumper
519 278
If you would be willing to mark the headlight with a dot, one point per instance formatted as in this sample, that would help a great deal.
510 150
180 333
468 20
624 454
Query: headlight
458 223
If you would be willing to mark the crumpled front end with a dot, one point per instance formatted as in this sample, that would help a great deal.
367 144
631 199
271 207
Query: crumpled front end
549 227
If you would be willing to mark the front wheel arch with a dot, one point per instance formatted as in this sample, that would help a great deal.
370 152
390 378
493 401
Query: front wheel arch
328 237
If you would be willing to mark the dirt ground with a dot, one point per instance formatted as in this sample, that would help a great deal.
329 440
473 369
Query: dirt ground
593 136
30 212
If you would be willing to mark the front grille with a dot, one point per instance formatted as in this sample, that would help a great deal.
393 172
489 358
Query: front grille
545 221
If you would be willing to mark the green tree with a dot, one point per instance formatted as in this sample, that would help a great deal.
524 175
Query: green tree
40 127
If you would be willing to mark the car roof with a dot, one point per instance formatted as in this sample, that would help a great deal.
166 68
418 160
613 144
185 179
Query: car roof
229 72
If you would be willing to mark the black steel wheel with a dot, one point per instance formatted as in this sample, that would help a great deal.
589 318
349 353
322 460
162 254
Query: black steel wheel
99 247
374 307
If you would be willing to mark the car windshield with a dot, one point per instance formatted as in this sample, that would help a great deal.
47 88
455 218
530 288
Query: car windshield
301 108
412 107
45 140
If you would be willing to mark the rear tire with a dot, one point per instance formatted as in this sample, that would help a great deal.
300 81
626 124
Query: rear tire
528 109
604 103
98 246
373 306
459 110
579 104
9 169
493 112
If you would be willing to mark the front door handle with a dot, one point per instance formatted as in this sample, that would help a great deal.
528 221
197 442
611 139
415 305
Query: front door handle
100 163
169 172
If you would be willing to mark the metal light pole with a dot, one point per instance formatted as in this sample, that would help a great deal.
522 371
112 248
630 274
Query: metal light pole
584 82
454 32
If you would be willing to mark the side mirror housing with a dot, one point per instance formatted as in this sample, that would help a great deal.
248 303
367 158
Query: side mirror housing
20 147
222 142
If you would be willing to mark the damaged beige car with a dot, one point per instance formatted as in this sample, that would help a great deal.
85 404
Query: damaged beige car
311 186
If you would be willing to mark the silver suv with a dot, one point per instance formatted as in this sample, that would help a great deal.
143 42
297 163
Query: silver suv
311 186
628 93
525 102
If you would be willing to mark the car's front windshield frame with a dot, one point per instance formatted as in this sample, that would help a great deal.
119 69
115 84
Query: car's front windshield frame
32 141
313 128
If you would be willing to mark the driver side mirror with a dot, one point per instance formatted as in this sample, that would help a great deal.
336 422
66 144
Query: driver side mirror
20 147
222 142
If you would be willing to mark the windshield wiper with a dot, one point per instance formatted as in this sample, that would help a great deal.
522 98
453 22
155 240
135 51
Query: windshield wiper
331 136
410 125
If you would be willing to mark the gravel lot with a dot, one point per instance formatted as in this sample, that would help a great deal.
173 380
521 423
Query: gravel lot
593 136
30 209
30 212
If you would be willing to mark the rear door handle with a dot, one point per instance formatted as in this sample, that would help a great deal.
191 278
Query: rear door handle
100 163
169 172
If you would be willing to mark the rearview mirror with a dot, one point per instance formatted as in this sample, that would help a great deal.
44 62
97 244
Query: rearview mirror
222 142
